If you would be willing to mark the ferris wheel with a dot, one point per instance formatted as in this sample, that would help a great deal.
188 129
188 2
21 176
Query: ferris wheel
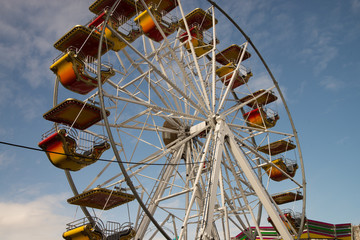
169 131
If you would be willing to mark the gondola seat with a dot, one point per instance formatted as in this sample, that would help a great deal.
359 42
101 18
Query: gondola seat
125 234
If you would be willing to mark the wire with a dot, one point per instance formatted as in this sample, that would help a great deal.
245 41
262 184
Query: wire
99 159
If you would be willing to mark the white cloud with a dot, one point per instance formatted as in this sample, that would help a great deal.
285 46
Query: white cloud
301 89
6 157
5 90
320 46
320 54
331 83
3 131
343 140
39 219
355 5
324 55
260 81
31 28
29 109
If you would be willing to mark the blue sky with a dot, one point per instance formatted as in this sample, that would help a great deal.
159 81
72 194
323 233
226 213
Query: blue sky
311 47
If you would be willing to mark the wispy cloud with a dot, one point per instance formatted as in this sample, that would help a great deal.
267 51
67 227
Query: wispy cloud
29 109
320 49
343 140
31 28
355 5
260 81
331 83
6 158
5 90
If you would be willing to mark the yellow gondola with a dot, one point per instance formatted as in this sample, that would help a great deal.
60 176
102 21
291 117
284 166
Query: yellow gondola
73 74
258 118
197 40
149 28
95 229
229 58
85 232
226 72
275 174
61 149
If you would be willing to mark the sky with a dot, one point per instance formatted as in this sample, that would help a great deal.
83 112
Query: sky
311 47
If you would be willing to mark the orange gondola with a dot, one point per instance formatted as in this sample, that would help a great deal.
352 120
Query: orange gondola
77 76
149 27
64 152
229 58
260 118
287 166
